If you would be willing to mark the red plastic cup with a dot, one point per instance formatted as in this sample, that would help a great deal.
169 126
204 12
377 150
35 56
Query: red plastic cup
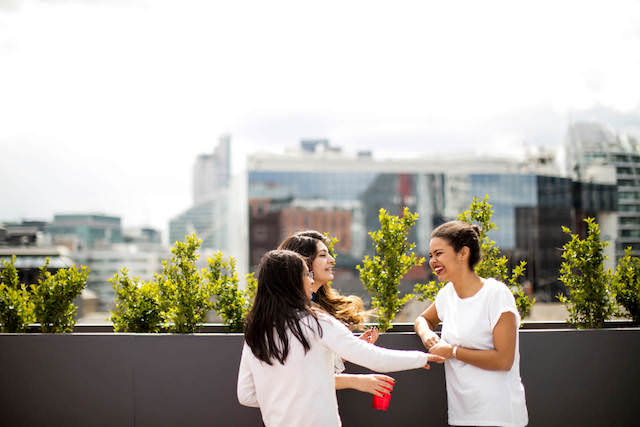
381 403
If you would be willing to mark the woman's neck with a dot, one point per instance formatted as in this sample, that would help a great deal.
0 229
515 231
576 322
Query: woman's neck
319 287
467 284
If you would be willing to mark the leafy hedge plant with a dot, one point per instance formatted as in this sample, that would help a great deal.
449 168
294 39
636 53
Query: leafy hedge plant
230 302
492 262
49 302
137 304
381 274
53 297
178 299
590 299
626 283
16 309
184 295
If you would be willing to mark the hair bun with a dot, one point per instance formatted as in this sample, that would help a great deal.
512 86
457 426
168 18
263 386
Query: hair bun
476 230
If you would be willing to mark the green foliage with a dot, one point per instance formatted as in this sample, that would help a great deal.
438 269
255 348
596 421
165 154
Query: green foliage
137 304
53 297
381 274
331 245
492 263
230 302
184 296
16 309
591 298
626 283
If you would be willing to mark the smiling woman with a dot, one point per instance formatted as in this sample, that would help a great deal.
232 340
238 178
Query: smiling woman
349 310
479 333
313 245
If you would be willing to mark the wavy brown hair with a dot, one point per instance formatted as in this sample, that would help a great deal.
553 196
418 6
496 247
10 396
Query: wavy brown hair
279 306
347 309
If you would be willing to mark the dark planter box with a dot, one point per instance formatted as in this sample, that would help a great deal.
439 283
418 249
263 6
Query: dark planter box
571 377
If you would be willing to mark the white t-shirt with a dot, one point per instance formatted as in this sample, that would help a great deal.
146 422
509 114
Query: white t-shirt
302 391
477 396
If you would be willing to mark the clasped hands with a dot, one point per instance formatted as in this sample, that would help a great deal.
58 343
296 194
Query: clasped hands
438 347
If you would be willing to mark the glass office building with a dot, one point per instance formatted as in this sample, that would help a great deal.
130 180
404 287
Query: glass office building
595 152
529 210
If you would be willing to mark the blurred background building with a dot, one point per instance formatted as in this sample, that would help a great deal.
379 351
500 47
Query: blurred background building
218 214
320 187
597 153
99 242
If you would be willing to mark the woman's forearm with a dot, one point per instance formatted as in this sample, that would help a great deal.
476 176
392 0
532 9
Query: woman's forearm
375 384
344 381
491 360
424 329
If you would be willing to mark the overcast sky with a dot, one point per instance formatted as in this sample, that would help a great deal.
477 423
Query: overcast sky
105 104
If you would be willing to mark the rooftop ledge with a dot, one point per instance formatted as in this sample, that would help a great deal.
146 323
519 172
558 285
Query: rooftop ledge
571 377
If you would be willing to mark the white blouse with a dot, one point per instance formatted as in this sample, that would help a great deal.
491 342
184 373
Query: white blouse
302 391
478 396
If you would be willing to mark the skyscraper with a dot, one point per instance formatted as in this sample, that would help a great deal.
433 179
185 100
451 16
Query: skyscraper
599 154
212 171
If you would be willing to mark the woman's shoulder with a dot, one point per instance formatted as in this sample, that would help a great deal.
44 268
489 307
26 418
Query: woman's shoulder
495 286
446 289
325 317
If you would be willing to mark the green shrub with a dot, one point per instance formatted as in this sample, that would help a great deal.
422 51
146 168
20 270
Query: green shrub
53 297
16 308
381 274
331 245
590 301
137 304
184 295
492 263
230 302
626 283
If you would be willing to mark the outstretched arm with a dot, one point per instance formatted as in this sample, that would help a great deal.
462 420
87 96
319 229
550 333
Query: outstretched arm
340 340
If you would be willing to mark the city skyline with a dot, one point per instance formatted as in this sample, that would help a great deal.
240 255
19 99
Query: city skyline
106 105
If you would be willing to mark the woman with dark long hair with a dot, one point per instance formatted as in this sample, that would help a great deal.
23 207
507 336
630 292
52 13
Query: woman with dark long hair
348 309
286 367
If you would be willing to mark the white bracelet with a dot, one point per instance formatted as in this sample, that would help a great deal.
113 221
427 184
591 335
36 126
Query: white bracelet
455 348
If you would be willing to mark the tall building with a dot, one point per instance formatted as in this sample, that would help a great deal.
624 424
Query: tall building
218 215
212 171
596 153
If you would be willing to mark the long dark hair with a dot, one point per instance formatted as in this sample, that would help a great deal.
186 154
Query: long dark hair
347 309
279 306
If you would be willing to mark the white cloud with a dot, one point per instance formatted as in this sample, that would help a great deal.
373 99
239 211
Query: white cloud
119 97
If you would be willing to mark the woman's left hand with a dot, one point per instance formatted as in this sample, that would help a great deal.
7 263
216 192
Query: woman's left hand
442 348
375 384
370 335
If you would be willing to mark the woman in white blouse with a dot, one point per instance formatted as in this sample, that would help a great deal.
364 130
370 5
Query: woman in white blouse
479 333
287 360
348 309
